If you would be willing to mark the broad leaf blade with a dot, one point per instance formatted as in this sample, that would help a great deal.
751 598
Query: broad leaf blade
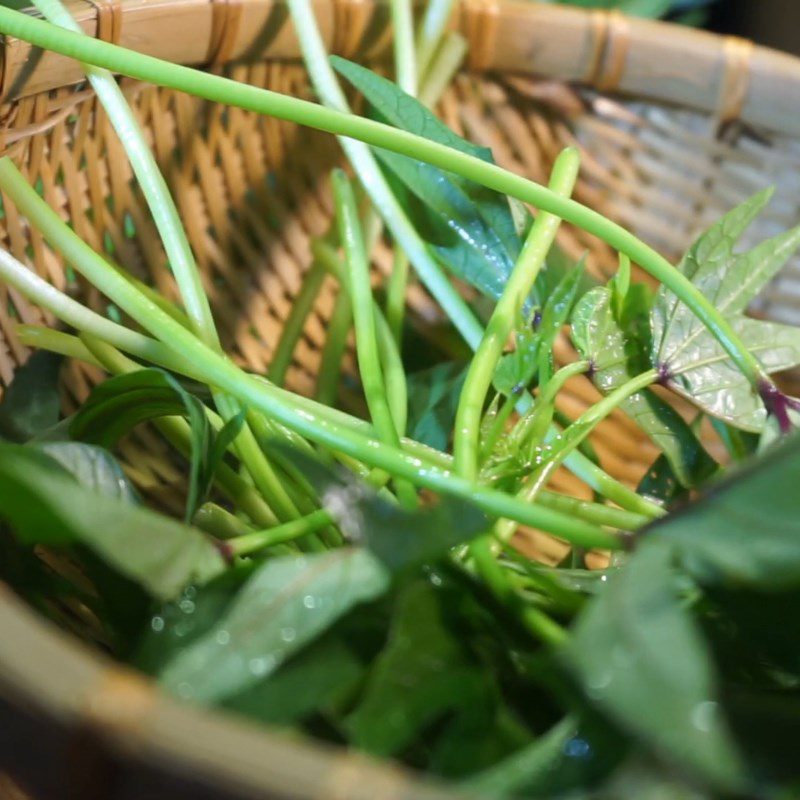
745 531
287 603
433 396
623 652
44 504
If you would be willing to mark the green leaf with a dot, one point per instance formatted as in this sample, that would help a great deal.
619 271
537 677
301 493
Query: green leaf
46 505
433 396
31 403
121 403
640 658
93 467
475 232
697 366
422 674
287 603
400 539
745 530
313 679
600 340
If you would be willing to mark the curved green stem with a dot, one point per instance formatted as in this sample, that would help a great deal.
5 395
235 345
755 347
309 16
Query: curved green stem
481 370
293 326
226 91
358 283
229 92
249 543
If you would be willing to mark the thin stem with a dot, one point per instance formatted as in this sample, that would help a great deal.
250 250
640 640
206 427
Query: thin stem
498 426
293 325
396 295
571 438
226 91
218 522
405 58
330 367
250 543
466 448
229 92
448 59
597 513
64 344
358 283
434 21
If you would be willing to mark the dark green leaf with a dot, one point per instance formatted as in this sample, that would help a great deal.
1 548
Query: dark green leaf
697 365
660 483
121 403
399 538
93 467
433 396
624 651
287 603
477 236
311 680
31 403
422 674
745 531
600 340
45 504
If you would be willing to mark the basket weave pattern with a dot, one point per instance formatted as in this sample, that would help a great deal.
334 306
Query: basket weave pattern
665 158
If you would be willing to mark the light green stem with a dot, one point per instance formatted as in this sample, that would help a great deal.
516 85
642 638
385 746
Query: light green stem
434 21
448 59
288 532
330 368
466 449
405 59
228 92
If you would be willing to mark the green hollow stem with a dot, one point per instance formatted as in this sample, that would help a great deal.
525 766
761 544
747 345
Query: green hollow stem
367 351
250 543
56 342
219 522
405 57
429 33
154 187
570 439
216 370
330 368
388 353
226 91
293 326
466 446
448 59
396 295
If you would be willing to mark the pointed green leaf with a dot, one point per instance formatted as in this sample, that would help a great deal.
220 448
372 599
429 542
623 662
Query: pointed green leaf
44 504
745 530
287 603
623 652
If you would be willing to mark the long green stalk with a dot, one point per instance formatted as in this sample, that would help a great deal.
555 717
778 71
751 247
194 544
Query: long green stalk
505 314
429 34
367 351
405 57
217 370
229 92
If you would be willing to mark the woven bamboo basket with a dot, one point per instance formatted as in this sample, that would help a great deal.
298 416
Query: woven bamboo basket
675 125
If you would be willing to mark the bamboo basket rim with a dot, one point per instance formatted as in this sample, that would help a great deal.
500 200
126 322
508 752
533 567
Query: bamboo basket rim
728 78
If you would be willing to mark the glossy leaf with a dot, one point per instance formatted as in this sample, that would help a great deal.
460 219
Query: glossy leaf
624 653
121 403
476 235
697 365
31 403
433 396
600 340
287 603
93 467
745 530
45 505
400 539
